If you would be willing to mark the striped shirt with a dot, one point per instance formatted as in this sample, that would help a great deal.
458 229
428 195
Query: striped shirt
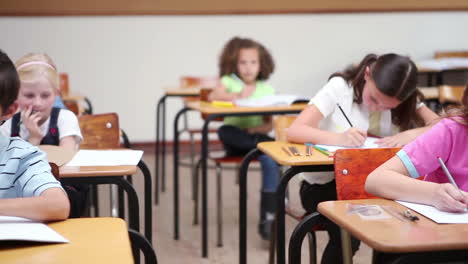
24 170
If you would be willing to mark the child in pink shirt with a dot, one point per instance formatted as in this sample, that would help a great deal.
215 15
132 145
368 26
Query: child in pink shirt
448 140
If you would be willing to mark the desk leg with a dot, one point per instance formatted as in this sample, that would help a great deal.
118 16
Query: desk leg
280 206
157 148
148 209
244 166
346 247
204 158
163 153
297 237
133 206
176 171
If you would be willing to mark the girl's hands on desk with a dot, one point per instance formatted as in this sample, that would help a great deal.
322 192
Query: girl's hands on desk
31 122
448 198
396 141
352 137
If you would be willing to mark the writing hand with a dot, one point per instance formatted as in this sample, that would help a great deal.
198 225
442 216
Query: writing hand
353 137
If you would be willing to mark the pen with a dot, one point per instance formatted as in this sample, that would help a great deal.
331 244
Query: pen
308 149
347 119
407 213
447 172
285 150
449 175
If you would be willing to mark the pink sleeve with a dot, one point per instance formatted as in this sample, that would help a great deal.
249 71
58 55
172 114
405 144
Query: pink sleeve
424 150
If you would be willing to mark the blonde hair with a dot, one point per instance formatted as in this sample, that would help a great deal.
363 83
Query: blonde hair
32 66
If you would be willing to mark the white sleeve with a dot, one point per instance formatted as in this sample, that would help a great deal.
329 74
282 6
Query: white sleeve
67 124
5 129
325 100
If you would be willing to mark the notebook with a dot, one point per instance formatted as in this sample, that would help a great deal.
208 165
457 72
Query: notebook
22 229
436 215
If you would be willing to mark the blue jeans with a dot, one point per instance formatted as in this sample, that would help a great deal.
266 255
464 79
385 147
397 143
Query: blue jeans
238 142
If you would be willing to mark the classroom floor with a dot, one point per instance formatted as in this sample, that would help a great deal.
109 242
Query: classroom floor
187 249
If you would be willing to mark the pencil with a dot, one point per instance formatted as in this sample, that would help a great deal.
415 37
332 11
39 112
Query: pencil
447 172
321 151
285 150
347 119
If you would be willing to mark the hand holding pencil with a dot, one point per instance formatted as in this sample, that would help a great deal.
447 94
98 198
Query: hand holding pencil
352 137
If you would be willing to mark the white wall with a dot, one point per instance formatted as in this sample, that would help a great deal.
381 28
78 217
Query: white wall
124 63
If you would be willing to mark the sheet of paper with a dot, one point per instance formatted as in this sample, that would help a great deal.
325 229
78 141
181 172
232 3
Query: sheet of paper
436 215
444 64
369 143
87 157
17 228
270 100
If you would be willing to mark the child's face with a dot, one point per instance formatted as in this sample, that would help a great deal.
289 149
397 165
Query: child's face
39 95
248 65
374 99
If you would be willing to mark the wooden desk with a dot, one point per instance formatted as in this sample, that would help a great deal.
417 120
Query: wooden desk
212 113
394 235
430 92
160 148
437 67
451 93
92 240
317 162
111 175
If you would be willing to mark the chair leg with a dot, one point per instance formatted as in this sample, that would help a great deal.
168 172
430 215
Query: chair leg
195 192
312 247
219 203
271 251
139 242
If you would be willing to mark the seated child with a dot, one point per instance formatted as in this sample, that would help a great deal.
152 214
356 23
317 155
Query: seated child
27 187
39 122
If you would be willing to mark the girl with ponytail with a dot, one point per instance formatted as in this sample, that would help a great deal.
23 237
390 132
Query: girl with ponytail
379 97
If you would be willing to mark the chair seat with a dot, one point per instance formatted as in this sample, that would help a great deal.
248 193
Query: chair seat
222 157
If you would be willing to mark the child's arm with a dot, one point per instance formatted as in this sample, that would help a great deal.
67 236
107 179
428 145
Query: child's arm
305 129
220 93
69 143
264 128
51 205
430 118
391 180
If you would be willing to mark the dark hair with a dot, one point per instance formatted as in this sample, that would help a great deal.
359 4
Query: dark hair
395 76
9 82
460 114
230 56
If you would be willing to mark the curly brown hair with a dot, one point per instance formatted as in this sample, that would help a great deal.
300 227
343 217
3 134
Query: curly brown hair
395 76
230 56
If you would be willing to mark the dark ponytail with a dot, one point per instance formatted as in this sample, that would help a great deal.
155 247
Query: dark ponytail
395 76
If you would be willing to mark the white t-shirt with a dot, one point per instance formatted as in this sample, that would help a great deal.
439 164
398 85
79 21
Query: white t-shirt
67 124
337 90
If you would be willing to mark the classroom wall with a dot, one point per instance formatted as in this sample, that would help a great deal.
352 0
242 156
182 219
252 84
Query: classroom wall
123 64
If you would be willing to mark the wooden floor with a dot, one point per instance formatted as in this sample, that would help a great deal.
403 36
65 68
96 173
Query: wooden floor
187 249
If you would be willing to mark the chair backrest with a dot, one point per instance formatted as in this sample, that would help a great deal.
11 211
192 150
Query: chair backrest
280 125
451 94
352 167
73 106
100 131
55 170
64 87
451 54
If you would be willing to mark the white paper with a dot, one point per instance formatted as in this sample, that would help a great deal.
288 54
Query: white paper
270 100
369 143
436 215
87 157
444 64
18 228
